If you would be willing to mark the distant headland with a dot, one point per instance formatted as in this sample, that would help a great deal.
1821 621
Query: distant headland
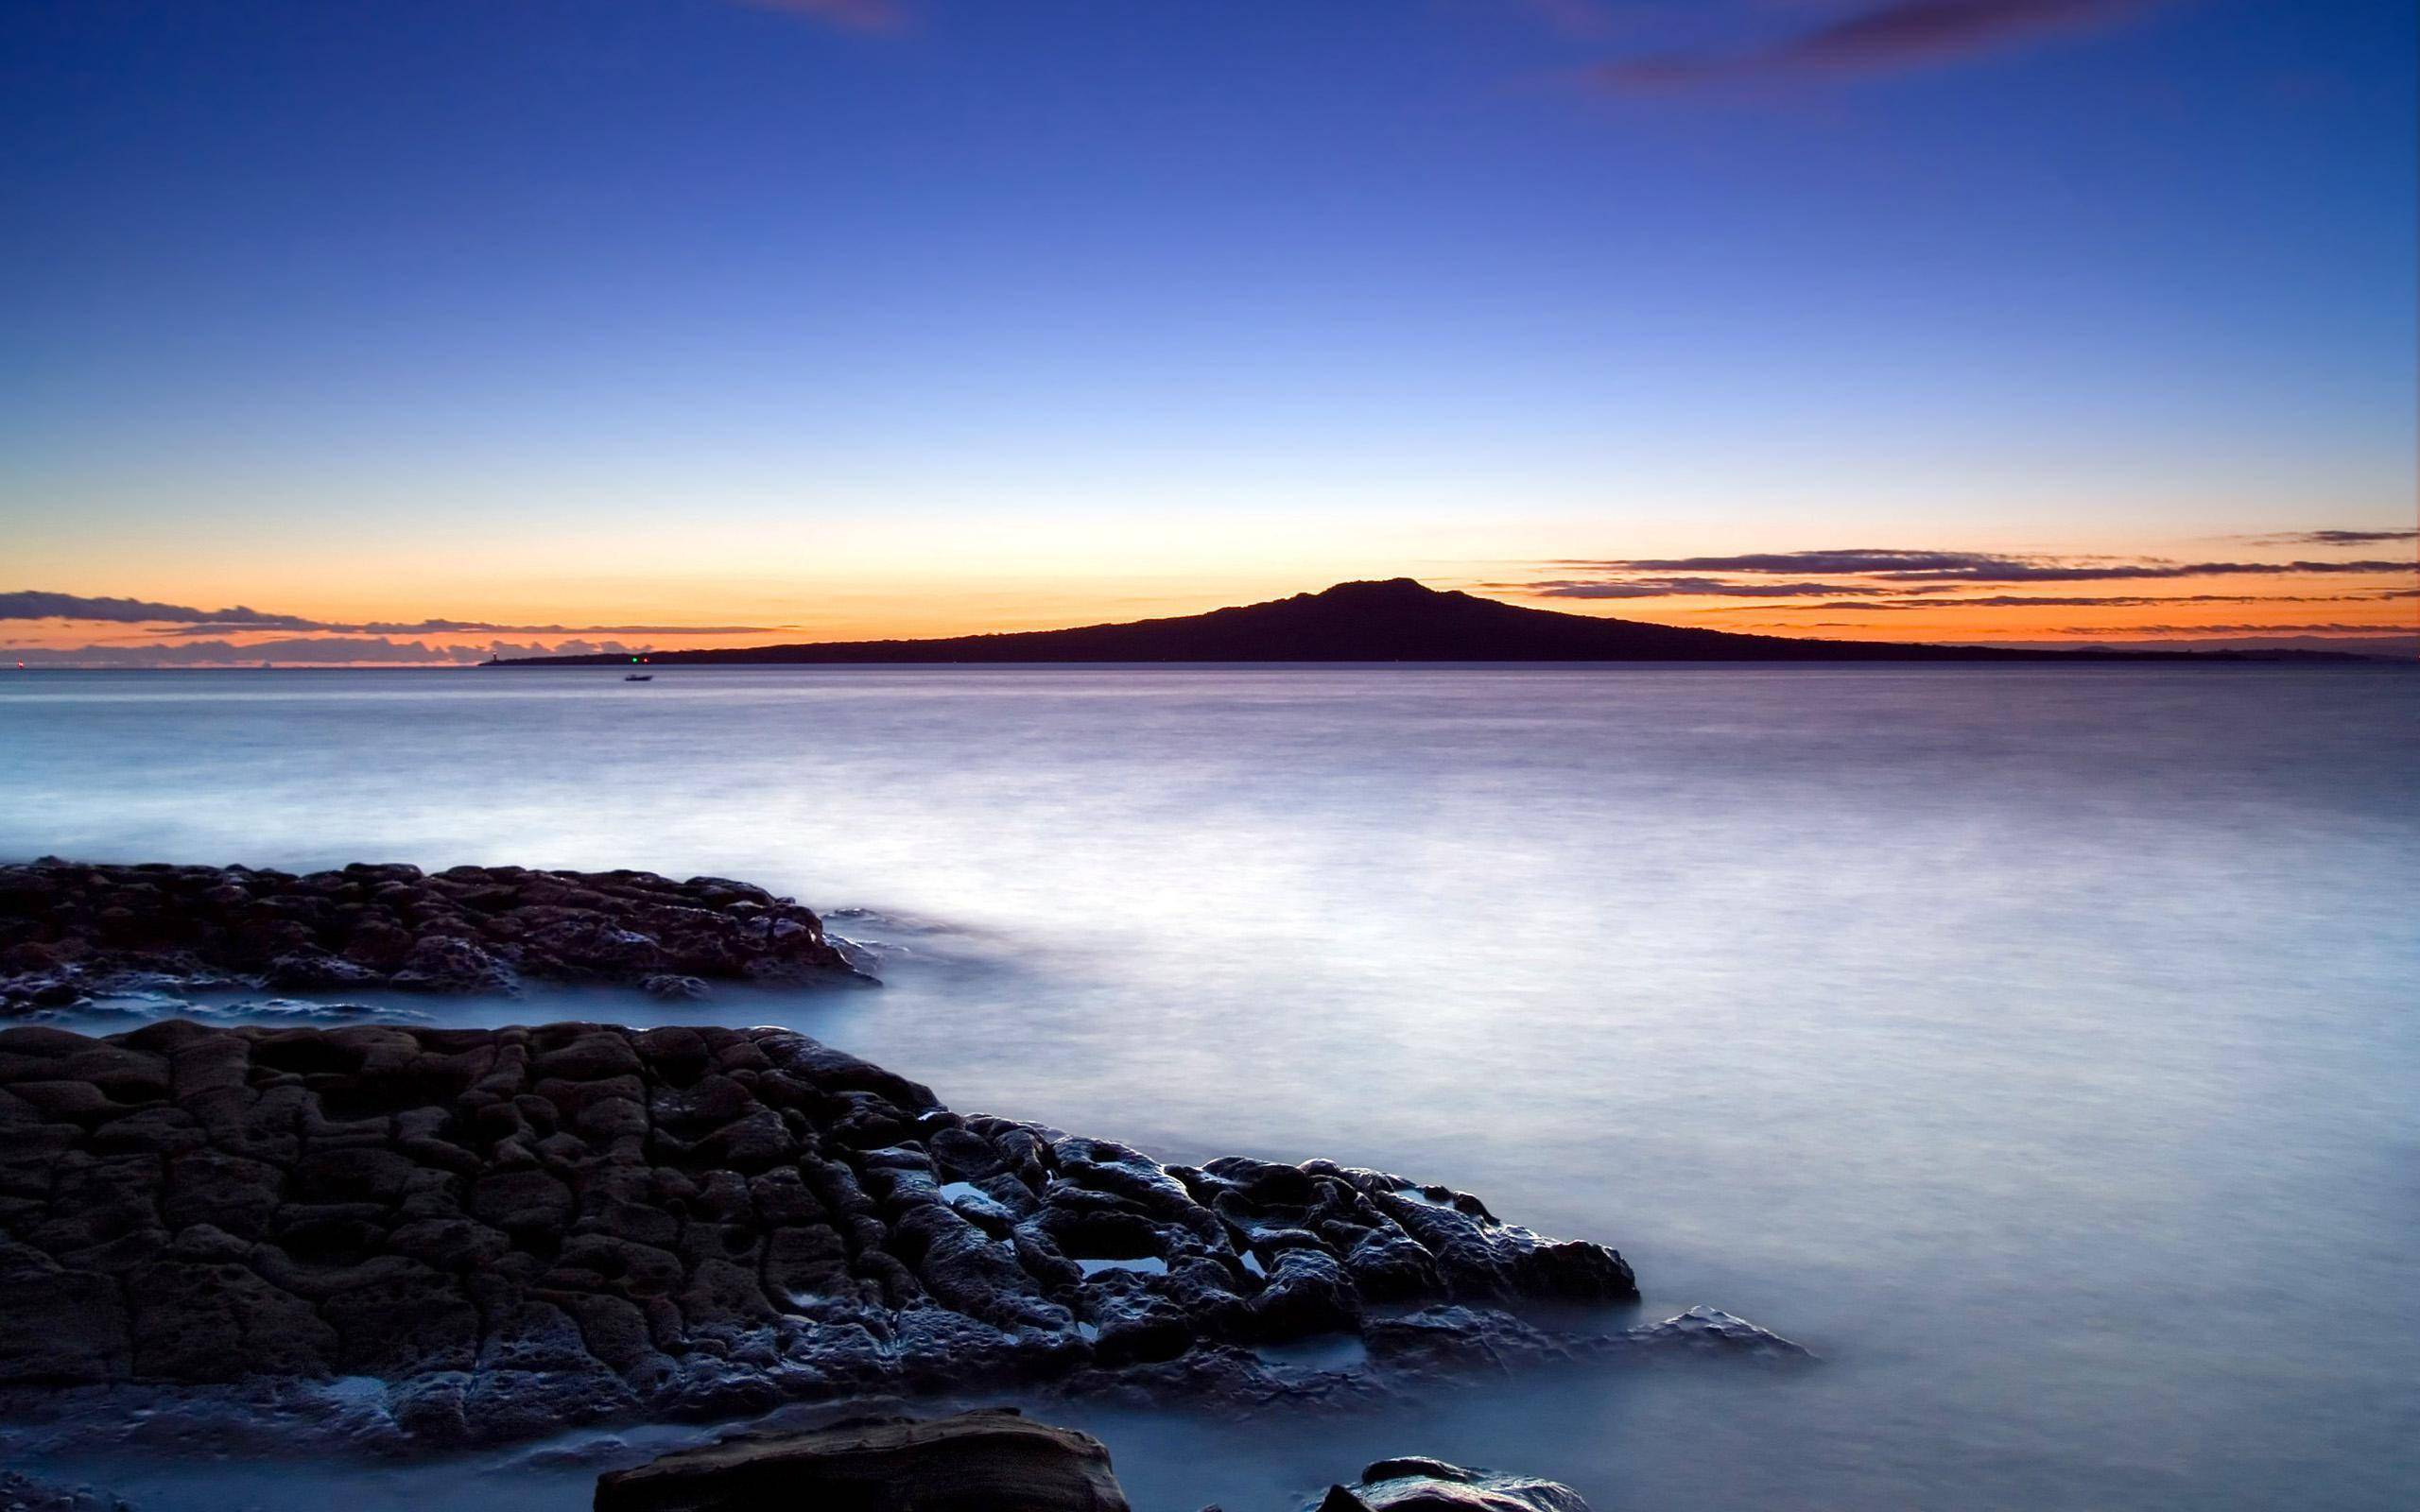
1396 620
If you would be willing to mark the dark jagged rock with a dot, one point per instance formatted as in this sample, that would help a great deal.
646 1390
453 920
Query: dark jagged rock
1711 1331
70 930
518 1228
1411 1484
996 1461
512 1231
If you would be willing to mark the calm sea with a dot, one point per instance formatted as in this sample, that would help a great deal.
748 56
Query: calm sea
2037 1045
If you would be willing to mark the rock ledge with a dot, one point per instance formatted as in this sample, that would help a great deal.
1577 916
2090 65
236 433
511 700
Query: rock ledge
514 1229
71 930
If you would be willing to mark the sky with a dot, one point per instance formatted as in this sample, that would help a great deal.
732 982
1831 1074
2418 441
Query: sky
413 329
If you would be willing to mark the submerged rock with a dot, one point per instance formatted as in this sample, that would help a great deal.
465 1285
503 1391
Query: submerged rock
418 1233
70 931
1711 1331
1416 1485
995 1461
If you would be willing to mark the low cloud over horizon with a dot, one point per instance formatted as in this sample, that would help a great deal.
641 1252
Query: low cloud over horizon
1917 589
2084 601
1898 565
320 650
2333 538
182 635
176 620
1901 592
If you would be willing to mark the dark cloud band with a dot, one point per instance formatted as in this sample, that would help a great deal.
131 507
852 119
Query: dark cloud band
2335 538
177 621
1682 588
33 604
1890 38
307 650
1896 565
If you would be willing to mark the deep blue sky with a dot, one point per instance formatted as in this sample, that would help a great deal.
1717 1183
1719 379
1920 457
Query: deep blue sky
1042 297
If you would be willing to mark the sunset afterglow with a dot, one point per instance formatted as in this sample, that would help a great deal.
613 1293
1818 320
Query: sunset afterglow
698 323
1667 744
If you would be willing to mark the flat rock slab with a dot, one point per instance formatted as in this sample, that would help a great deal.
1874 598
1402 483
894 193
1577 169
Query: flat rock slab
996 1461
69 930
514 1229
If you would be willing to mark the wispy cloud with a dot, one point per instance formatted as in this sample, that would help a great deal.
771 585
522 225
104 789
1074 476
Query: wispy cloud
313 650
1679 588
2333 538
1896 565
2079 601
481 627
1899 582
850 15
33 604
1586 19
176 621
1895 37
2136 600
2334 627
1835 559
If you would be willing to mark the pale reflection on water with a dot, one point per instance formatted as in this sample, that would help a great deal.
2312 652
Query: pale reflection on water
2034 1044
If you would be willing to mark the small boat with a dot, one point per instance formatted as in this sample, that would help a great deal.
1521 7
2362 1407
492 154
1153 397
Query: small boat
638 677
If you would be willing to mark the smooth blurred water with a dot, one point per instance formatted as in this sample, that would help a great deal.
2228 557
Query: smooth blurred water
2036 1043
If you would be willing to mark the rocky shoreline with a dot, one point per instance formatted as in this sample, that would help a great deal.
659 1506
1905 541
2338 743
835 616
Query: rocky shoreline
984 1460
395 1237
511 1231
72 931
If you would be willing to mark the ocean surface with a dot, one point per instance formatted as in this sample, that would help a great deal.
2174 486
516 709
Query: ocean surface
2040 1045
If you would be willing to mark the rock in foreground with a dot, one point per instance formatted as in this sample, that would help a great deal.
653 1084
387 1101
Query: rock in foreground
973 1462
68 930
1416 1485
517 1228
995 1461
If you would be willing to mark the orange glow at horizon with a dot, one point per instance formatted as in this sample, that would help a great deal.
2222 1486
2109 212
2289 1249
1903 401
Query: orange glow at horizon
744 612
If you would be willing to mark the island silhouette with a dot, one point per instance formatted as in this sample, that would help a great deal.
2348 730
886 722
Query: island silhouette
1394 620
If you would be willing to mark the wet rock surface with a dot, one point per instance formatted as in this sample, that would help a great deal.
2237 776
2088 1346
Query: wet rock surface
508 1230
70 931
1412 1483
991 1461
